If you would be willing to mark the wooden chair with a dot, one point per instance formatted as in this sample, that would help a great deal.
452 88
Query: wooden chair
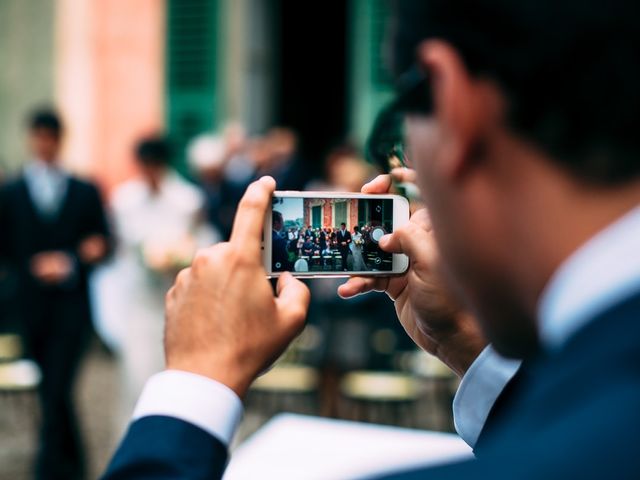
19 382
380 397
10 347
286 387
439 386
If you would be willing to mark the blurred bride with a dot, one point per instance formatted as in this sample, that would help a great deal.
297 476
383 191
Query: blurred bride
159 224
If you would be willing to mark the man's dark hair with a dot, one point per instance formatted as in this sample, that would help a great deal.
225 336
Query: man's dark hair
154 151
46 119
569 69
343 224
277 217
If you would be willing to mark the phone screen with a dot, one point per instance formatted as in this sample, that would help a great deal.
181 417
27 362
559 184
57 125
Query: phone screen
330 235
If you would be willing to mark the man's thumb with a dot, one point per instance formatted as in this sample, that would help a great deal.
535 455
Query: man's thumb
292 301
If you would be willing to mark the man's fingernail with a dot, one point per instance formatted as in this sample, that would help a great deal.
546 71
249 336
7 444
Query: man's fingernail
385 238
267 178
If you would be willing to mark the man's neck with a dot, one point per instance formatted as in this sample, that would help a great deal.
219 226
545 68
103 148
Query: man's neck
51 163
543 214
563 221
600 274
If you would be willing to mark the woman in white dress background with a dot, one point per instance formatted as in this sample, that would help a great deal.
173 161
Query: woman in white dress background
159 224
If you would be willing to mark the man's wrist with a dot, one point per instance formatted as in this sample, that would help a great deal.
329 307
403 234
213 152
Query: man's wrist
192 398
228 374
462 347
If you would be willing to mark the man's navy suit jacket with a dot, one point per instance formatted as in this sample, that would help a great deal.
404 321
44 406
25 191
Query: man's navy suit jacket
574 413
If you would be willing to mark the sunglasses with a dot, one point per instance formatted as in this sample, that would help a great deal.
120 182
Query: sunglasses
386 143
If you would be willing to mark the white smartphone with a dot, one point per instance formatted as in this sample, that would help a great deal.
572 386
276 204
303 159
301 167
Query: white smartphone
329 234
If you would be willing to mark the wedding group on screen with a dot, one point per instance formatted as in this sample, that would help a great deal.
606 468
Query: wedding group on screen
307 238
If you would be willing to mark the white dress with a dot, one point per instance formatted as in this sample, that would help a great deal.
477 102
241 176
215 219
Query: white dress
356 250
147 225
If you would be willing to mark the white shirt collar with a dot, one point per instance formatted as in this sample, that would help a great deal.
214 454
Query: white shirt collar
602 272
38 167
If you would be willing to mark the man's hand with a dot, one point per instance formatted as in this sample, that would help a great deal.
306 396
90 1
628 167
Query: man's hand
92 249
223 320
425 309
52 267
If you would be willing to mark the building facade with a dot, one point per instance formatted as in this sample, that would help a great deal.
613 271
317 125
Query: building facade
330 212
119 69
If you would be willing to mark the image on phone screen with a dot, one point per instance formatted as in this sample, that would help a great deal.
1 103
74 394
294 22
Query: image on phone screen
325 235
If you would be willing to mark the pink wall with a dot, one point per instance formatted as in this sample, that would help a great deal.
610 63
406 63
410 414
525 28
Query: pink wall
109 81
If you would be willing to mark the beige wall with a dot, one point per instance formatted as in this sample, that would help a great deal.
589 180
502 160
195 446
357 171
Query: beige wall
101 62
246 63
26 53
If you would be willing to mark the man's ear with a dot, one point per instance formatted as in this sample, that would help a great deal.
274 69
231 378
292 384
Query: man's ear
460 104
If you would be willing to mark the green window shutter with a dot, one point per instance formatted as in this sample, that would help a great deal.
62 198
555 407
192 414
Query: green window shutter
191 71
363 212
371 82
316 216
380 74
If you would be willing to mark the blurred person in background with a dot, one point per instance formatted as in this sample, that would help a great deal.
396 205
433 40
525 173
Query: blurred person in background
224 169
281 160
227 163
53 232
208 159
159 222
280 257
346 170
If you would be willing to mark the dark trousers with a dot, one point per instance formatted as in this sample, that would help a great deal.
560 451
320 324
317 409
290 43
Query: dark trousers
344 253
57 329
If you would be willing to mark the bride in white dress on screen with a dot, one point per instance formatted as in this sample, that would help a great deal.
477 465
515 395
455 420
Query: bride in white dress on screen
356 250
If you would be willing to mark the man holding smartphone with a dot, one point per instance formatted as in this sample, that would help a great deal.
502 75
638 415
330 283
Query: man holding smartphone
521 123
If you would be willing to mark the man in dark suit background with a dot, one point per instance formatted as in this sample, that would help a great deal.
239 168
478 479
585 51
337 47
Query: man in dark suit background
521 126
279 255
53 230
344 240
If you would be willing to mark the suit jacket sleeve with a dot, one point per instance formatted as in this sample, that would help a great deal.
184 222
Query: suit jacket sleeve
96 221
159 447
498 409
94 218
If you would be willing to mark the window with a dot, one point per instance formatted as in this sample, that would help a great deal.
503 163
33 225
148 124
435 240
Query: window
316 216
363 213
191 71
380 75
340 213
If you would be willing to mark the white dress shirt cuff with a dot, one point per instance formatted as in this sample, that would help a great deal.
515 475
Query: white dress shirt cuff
479 389
195 399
